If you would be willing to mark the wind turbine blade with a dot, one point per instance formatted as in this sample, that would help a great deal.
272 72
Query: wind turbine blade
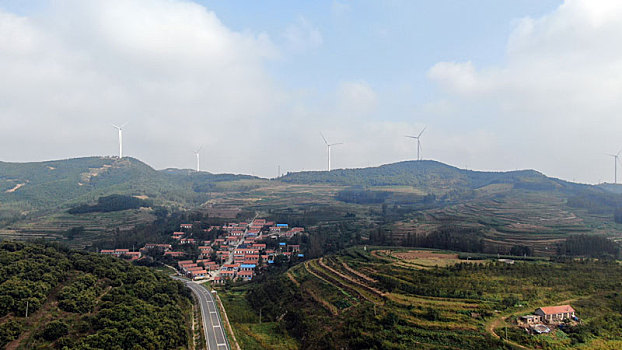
124 124
324 138
425 127
335 144
116 126
620 151
412 137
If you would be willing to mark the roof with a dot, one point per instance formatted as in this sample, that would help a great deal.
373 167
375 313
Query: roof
540 328
551 310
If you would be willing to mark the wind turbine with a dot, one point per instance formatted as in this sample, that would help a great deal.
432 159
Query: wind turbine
120 128
197 154
615 165
329 145
418 138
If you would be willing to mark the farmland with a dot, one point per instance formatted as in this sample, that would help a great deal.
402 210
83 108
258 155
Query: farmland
539 220
375 298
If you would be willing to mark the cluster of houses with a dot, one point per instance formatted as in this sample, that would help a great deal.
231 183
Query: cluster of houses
548 315
122 253
236 254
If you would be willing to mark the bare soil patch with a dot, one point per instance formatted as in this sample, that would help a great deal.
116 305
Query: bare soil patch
423 254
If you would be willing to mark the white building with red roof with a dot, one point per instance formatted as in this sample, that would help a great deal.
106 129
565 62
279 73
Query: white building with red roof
555 314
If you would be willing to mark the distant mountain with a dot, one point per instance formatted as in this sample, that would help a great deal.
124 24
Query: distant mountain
613 188
27 187
431 176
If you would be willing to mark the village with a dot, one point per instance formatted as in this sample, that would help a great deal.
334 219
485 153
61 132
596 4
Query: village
238 253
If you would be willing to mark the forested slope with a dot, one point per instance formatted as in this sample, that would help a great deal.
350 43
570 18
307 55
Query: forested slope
78 300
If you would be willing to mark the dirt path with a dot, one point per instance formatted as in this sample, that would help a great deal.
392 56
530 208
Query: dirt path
293 279
350 279
17 187
361 275
36 319
490 328
337 284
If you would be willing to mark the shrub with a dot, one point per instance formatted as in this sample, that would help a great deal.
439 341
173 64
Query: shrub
55 330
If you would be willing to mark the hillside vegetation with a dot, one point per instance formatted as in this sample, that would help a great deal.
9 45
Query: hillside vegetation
34 196
76 300
430 175
398 204
44 185
396 299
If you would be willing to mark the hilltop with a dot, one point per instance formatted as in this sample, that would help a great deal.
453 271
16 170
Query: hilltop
394 203
431 176
27 188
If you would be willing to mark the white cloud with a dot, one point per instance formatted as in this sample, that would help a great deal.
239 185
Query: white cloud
302 36
340 8
356 99
555 102
170 67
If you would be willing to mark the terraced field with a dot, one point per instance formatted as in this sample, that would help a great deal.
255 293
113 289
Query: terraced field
341 283
405 299
534 219
96 225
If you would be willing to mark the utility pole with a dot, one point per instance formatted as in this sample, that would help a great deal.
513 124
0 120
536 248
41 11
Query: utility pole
26 308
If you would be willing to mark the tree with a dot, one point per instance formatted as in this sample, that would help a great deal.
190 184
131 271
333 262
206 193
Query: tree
520 250
55 330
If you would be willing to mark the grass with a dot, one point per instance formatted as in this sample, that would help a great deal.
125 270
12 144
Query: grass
249 333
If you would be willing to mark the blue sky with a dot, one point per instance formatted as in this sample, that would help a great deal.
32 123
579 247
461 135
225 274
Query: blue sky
389 44
500 85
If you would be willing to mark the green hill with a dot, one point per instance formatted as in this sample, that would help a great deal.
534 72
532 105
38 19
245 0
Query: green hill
392 298
431 176
52 185
48 199
51 297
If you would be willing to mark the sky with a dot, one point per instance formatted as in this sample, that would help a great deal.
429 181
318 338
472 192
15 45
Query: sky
498 84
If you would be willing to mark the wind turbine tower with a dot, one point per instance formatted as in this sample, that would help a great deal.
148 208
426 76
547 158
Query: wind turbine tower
120 128
418 138
329 145
197 152
615 165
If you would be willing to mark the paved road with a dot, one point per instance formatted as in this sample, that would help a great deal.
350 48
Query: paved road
212 325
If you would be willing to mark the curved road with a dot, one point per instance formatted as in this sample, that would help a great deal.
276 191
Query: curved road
212 325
